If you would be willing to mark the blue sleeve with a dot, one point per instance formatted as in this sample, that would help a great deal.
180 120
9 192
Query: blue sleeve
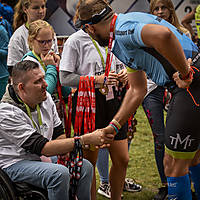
51 78
9 29
3 53
3 42
136 36
130 35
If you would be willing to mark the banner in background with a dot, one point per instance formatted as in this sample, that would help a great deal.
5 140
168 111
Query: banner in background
60 12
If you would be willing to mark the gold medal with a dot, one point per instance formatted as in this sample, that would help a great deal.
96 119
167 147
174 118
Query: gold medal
104 89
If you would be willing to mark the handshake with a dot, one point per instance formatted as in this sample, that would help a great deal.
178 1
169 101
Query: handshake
99 138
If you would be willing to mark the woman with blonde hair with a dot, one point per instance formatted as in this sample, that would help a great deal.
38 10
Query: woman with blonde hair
41 35
165 9
40 40
26 11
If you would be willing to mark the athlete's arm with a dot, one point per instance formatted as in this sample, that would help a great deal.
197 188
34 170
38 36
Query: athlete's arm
133 98
165 42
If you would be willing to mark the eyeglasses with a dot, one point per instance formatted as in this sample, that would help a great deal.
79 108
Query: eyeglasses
43 42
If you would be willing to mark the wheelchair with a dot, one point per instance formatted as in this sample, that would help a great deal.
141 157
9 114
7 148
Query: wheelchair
19 190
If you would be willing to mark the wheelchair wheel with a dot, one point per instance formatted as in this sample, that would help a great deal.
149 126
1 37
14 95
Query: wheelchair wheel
7 191
34 195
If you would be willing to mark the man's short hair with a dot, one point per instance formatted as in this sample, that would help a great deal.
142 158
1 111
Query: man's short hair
19 70
87 10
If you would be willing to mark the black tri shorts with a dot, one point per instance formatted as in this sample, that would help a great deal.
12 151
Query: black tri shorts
182 134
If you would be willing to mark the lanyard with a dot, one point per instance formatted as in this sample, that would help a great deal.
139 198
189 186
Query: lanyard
104 88
79 108
108 60
27 25
86 106
98 50
38 113
100 54
62 104
40 61
30 115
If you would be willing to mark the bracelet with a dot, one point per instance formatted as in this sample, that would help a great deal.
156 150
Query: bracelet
189 76
77 143
82 141
76 138
116 129
116 123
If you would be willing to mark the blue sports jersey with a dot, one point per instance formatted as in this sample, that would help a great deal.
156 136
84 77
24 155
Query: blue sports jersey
131 50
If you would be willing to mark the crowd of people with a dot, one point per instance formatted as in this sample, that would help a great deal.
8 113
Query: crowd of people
116 62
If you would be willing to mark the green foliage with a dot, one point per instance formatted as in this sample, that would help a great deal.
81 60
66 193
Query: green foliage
142 166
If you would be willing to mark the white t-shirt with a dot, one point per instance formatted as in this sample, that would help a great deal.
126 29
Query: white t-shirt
18 45
16 127
80 56
150 86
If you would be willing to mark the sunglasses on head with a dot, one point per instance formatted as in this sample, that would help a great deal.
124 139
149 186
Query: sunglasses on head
96 18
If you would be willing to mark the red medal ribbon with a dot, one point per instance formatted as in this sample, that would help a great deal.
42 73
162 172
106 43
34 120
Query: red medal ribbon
62 103
86 106
108 64
69 114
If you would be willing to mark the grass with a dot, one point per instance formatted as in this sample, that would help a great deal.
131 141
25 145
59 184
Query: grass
142 166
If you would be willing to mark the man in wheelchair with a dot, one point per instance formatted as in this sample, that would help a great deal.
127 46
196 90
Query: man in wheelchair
30 127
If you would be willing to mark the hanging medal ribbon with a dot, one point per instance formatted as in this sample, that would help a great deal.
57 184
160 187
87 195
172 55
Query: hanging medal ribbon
104 88
69 114
86 107
79 108
62 102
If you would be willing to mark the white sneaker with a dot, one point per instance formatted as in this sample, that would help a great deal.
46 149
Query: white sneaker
104 190
131 186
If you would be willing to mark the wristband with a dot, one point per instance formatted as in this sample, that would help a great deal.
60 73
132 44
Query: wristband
76 138
189 76
116 129
116 123
77 144
82 141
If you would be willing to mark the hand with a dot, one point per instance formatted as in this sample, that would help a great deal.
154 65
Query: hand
48 59
182 83
99 79
109 130
112 78
98 137
123 76
56 58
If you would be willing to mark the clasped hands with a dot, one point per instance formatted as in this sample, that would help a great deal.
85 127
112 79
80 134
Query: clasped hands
114 78
101 138
50 59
